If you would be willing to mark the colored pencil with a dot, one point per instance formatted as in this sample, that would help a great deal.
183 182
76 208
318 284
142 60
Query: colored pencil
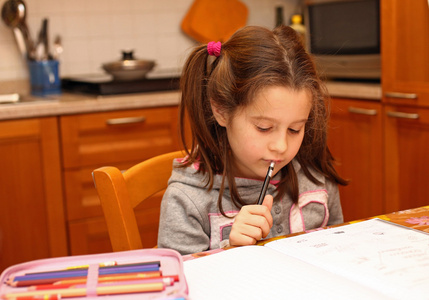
81 292
83 279
168 280
41 297
119 277
139 276
104 267
157 262
80 273
104 264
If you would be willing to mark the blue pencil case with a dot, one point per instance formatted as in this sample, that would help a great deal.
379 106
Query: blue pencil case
171 266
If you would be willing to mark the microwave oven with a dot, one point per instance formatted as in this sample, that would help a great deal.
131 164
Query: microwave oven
343 36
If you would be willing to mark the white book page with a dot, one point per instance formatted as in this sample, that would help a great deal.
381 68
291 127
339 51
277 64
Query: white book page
375 253
256 272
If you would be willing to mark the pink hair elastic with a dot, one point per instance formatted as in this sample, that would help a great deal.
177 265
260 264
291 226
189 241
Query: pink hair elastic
213 48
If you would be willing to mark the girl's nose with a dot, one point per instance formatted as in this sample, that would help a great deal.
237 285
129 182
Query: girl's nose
279 144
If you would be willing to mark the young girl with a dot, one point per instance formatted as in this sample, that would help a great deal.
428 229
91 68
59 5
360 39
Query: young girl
250 101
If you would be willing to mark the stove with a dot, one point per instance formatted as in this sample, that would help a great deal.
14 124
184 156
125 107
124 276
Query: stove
105 85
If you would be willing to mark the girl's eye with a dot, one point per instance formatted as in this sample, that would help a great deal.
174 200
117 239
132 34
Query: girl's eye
263 129
293 131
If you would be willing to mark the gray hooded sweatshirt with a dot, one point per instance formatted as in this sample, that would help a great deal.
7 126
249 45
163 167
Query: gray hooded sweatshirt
191 222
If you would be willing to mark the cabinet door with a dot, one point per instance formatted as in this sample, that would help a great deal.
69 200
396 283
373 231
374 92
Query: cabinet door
407 159
121 139
355 140
32 223
405 48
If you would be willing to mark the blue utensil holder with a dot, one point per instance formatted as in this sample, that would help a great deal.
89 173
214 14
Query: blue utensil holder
44 77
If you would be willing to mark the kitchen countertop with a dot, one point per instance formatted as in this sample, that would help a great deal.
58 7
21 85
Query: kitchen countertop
355 90
68 103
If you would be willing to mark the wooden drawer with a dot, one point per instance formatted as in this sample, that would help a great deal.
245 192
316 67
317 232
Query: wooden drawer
105 138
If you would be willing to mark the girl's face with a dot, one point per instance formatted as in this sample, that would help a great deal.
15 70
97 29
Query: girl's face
269 129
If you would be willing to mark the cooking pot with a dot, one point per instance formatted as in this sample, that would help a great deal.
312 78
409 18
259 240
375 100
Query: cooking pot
129 68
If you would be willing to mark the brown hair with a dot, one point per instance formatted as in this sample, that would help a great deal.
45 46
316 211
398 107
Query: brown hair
252 59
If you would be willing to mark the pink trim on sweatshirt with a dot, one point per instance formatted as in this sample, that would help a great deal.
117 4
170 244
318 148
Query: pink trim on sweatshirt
217 223
296 218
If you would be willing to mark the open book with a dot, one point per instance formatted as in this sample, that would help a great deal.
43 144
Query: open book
373 259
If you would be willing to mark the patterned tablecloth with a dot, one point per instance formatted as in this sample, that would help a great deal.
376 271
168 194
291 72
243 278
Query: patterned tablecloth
416 218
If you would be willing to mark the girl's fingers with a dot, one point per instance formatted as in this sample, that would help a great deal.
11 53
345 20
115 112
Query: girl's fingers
252 223
258 225
237 238
268 203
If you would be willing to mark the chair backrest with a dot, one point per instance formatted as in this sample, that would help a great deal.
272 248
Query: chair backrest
120 192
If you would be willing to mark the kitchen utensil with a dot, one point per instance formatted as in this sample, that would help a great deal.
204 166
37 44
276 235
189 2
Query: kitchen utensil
19 37
209 20
45 38
11 22
58 48
14 16
42 51
129 68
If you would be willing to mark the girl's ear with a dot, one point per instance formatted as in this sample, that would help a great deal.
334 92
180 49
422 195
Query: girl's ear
219 115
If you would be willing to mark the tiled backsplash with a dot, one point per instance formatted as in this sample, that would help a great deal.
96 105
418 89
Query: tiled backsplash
94 32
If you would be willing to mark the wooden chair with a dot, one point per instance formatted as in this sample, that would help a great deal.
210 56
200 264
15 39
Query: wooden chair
120 193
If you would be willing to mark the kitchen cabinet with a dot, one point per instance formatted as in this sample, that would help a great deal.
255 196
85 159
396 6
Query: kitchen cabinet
405 48
355 138
405 85
382 149
406 159
32 223
121 138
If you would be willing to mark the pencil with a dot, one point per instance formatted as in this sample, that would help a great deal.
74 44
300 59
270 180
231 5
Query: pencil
83 279
118 277
81 292
103 264
167 280
105 267
266 182
41 297
139 276
80 273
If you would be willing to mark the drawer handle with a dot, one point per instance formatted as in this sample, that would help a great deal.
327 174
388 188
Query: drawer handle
122 121
362 111
400 95
402 115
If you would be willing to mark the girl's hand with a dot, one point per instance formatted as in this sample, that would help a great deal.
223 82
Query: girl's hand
252 223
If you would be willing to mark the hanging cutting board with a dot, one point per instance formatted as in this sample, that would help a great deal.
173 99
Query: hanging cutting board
209 20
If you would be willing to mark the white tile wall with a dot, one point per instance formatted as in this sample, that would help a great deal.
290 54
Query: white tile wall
95 31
